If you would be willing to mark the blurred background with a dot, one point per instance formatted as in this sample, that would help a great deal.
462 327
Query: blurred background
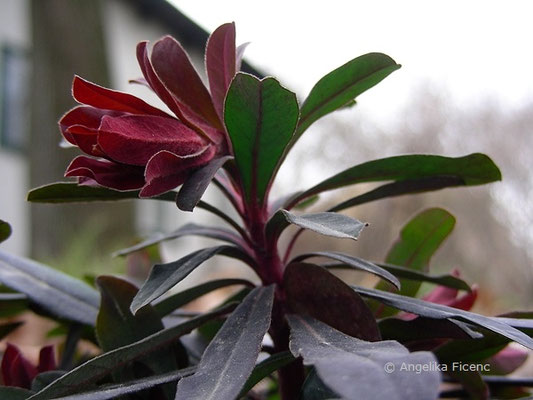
465 86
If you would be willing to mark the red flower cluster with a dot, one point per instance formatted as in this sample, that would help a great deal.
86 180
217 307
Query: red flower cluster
18 371
136 146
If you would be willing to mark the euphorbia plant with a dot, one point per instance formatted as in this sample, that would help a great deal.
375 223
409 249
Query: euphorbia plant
299 328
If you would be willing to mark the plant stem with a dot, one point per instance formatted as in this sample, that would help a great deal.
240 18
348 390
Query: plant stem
292 376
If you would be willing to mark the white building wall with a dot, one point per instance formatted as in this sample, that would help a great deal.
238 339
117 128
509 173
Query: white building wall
15 33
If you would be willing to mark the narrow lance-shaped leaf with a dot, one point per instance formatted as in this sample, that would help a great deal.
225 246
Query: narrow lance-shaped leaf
419 239
354 263
265 368
14 393
117 327
58 293
325 223
474 169
164 276
356 369
186 230
5 230
438 311
220 63
107 392
230 358
342 85
68 192
194 187
171 303
260 117
104 364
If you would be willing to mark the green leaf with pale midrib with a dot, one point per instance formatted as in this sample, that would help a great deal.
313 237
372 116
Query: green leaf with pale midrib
260 117
474 169
104 364
341 86
419 239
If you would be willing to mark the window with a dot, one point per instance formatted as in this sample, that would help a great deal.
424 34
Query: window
14 86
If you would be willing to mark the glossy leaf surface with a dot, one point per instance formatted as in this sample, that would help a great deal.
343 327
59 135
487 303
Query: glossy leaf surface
230 357
343 85
474 169
356 369
58 293
260 117
418 241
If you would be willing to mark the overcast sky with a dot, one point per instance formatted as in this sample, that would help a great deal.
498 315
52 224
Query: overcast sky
475 48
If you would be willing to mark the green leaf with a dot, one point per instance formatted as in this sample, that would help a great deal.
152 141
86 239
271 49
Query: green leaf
313 290
438 311
100 366
265 368
341 86
5 230
12 304
186 230
230 358
419 240
325 223
261 117
116 326
194 187
116 391
413 275
14 393
474 169
356 369
44 379
352 262
164 276
314 389
171 303
69 192
56 292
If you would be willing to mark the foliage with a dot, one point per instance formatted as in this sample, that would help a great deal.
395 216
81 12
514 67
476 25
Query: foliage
301 330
